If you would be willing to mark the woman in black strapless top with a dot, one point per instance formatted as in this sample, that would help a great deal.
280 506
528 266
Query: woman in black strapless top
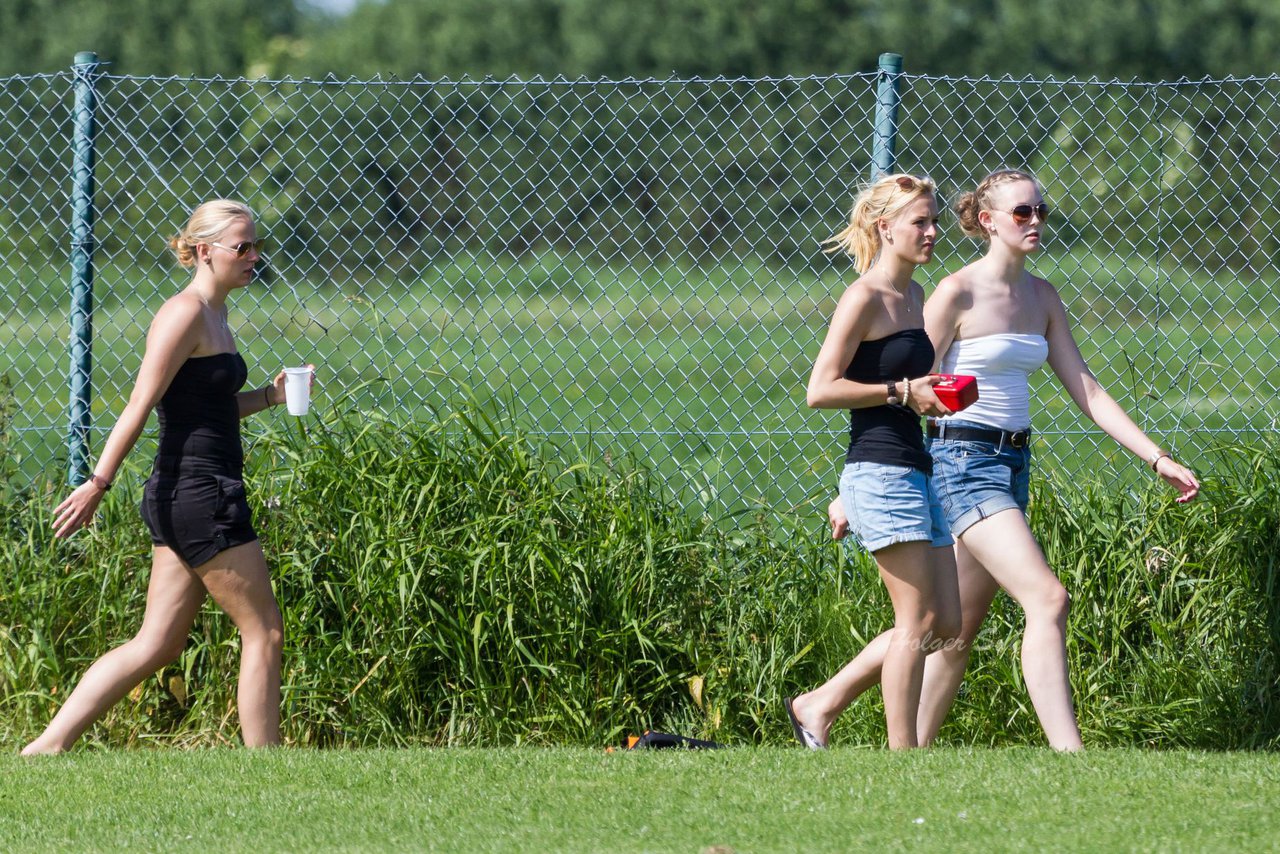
194 502
875 362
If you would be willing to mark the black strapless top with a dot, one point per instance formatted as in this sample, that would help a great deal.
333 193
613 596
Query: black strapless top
199 415
891 433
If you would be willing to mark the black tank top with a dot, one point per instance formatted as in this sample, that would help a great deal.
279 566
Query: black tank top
889 434
199 415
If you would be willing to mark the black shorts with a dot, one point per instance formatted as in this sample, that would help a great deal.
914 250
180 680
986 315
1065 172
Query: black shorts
197 515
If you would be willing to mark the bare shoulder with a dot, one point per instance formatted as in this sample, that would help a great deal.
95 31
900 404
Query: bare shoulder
858 296
181 305
955 288
179 315
1046 292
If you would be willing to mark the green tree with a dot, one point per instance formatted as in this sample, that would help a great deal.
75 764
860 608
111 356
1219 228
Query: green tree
212 37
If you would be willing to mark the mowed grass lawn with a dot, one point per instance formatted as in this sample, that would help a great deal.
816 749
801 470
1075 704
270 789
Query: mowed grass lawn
741 799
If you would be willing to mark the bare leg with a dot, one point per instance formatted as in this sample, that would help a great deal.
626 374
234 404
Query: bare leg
239 582
1004 545
907 570
818 709
174 595
944 670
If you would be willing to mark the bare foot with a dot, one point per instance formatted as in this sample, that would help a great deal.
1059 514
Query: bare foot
814 738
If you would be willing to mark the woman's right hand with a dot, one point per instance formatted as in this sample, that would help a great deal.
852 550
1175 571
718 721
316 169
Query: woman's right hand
923 401
839 521
77 509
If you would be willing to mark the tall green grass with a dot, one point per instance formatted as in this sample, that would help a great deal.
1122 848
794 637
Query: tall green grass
448 581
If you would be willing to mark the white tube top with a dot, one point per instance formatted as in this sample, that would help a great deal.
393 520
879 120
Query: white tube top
1002 363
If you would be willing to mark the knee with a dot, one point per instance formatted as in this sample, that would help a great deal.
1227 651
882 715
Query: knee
947 627
1053 603
273 637
265 634
273 634
160 649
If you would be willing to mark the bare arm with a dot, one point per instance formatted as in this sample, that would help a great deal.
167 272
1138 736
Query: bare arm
942 318
828 388
1100 407
174 335
850 323
259 399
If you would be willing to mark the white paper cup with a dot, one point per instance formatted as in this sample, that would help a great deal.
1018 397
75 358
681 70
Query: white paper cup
297 390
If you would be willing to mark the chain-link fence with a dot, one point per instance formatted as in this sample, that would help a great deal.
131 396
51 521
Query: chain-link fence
635 265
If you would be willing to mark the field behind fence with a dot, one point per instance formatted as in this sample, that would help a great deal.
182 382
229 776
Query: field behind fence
635 265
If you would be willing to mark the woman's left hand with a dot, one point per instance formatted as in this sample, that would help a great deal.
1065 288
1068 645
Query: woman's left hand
1179 477
277 386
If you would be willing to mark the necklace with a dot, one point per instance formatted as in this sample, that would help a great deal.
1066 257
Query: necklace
220 312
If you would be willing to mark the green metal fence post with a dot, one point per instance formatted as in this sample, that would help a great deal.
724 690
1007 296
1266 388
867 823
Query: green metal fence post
884 144
85 71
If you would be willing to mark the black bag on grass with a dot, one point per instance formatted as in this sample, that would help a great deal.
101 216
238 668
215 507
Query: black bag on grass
666 739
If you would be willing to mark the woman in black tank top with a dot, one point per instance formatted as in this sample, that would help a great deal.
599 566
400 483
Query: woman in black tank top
194 502
875 362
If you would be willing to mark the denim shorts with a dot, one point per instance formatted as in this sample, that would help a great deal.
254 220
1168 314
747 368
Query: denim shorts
888 504
976 480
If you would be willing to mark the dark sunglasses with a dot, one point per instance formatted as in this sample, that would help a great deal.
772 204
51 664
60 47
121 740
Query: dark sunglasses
242 249
1022 213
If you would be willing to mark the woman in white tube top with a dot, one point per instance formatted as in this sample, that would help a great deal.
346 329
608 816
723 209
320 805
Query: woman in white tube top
994 320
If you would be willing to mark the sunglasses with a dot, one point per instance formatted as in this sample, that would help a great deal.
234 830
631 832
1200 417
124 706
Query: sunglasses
1022 213
242 249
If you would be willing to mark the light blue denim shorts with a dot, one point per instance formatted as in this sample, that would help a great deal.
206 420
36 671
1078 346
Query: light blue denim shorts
888 504
976 480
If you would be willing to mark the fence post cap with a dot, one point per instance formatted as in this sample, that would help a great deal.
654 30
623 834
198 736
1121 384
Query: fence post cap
891 62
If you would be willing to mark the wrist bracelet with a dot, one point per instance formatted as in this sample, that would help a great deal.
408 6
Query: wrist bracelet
1156 458
266 395
100 482
906 395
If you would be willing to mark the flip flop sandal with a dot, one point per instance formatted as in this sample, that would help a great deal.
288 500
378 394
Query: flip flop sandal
803 735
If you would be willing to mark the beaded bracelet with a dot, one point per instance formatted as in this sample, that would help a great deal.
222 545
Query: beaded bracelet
906 395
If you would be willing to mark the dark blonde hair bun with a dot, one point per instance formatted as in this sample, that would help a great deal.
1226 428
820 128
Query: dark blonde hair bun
206 225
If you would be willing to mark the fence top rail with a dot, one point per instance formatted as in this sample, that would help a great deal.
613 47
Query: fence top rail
1030 80
674 80
31 78
537 80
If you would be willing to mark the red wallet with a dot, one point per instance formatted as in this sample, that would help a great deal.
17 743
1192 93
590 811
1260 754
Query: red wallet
956 391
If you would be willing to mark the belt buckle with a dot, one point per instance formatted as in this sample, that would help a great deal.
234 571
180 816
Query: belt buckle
1019 440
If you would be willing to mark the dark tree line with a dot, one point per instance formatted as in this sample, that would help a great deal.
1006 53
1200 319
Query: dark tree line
1146 39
